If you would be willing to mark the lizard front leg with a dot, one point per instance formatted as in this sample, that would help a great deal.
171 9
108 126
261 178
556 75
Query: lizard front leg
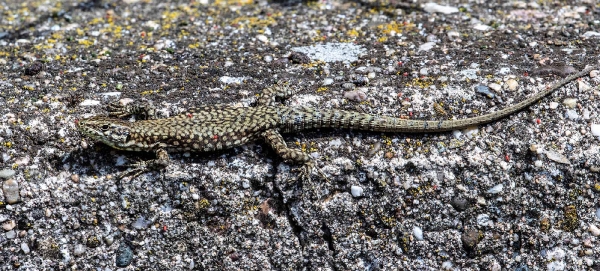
289 155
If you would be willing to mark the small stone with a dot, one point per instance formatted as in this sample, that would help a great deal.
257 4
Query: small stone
557 157
495 266
538 163
327 81
418 233
496 189
484 90
570 102
357 95
11 234
10 188
484 220
268 58
594 230
495 87
553 105
356 191
426 46
9 225
78 250
470 239
460 204
594 73
25 248
583 86
595 129
93 241
7 173
109 239
124 255
572 114
512 84
262 38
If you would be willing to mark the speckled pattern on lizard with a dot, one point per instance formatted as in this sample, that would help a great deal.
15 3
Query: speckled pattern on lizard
215 127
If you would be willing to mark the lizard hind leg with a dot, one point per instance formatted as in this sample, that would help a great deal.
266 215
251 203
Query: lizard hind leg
275 140
280 90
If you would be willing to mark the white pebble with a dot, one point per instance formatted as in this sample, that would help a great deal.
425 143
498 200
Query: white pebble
436 8
268 58
78 250
356 95
570 102
7 173
418 233
538 163
572 114
595 129
495 87
496 189
9 225
586 114
556 266
327 81
11 234
11 191
426 46
594 230
25 248
495 266
557 157
583 86
553 105
262 38
356 191
484 220
447 265
594 73
512 84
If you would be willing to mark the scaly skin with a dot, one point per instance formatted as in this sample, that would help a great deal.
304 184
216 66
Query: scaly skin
217 127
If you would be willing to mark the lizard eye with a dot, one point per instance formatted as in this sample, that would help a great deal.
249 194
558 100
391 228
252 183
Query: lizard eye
104 127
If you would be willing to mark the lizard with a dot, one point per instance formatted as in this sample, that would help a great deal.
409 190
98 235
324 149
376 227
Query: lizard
221 126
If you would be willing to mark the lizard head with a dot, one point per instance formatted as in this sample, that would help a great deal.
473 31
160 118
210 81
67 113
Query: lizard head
110 131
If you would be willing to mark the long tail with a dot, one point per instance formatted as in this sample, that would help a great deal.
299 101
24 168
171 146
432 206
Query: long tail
307 118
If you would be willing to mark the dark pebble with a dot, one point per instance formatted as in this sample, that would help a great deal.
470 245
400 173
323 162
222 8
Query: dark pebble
460 204
24 224
470 239
93 242
299 58
124 255
34 68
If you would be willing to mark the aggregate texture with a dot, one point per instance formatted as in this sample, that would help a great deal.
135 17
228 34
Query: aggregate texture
520 193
